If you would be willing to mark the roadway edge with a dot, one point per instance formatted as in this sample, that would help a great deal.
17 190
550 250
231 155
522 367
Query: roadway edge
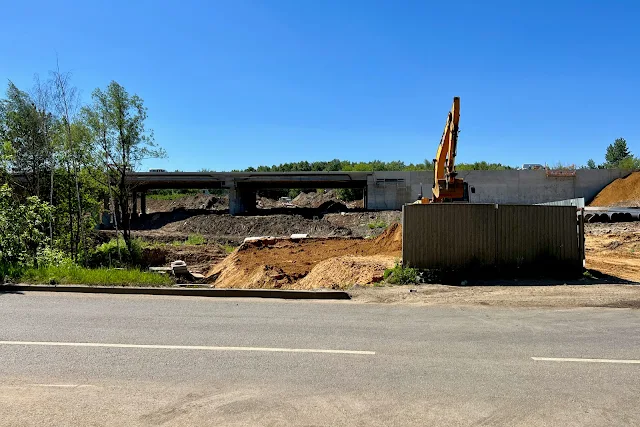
175 291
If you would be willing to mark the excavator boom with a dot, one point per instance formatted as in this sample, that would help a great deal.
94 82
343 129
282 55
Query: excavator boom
446 187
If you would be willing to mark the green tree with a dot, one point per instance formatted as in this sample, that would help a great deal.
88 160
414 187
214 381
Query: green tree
122 141
22 229
591 164
616 153
21 126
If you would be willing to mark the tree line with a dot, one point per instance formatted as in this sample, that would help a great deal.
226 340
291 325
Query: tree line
61 160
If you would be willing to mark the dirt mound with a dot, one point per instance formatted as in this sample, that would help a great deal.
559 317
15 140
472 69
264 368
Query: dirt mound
282 263
314 199
364 223
391 239
621 192
246 226
190 202
344 272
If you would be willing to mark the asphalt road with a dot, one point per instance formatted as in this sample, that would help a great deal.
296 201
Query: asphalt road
197 361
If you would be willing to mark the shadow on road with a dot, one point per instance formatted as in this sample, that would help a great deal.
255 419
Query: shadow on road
9 289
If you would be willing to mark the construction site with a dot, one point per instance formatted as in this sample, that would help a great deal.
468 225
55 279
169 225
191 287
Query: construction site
316 241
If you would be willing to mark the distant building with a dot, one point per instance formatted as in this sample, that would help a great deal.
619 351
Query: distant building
533 166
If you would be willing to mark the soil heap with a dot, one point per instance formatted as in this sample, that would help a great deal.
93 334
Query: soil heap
308 263
623 192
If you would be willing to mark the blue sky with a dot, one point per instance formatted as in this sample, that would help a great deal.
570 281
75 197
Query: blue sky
238 83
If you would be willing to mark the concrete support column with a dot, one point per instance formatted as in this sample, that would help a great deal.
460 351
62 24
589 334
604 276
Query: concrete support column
241 200
143 203
365 199
134 205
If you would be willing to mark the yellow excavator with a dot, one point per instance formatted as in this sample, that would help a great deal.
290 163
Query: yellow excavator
446 187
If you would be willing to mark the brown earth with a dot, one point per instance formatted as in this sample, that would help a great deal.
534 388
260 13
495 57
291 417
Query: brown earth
247 226
189 202
614 249
282 263
199 258
317 199
623 192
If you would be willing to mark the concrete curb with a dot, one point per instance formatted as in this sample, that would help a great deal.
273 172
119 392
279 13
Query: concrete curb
192 292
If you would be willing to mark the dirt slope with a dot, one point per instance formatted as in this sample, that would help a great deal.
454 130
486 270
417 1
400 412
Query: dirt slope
246 226
614 249
194 201
282 263
621 192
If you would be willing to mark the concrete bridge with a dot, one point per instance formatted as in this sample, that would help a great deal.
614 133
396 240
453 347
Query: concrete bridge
387 190
243 186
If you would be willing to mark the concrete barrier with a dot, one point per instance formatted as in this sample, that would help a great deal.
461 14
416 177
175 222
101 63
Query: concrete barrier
192 292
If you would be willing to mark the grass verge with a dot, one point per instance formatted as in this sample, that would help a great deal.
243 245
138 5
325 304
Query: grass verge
73 275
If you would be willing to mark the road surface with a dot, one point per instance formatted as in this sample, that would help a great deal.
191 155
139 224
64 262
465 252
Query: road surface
73 359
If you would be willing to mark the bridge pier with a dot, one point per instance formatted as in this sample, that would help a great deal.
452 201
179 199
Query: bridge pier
241 200
134 204
143 203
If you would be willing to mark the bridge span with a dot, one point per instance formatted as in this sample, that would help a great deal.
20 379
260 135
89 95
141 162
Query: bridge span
243 186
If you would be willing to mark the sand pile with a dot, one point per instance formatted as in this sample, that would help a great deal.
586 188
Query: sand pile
344 272
623 192
282 263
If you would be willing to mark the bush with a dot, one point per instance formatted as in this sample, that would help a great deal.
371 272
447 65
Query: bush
115 253
400 275
22 228
52 257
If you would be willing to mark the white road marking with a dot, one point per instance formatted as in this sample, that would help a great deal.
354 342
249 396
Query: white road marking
576 359
187 347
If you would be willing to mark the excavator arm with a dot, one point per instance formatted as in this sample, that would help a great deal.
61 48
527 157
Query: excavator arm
446 186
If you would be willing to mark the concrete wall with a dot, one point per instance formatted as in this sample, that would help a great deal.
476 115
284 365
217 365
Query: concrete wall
390 190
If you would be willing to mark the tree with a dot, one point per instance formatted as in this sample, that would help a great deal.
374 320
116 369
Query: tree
591 164
122 141
21 126
617 152
22 227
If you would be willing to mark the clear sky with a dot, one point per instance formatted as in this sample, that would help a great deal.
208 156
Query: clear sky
238 83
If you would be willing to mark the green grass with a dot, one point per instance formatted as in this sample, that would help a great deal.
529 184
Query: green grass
193 239
229 248
377 224
74 275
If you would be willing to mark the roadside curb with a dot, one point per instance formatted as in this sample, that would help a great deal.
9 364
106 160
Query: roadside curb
191 292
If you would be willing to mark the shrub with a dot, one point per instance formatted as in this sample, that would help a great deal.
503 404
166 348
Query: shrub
400 275
52 257
229 248
115 253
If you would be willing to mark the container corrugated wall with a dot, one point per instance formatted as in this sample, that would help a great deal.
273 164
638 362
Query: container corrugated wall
460 235
448 235
535 234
